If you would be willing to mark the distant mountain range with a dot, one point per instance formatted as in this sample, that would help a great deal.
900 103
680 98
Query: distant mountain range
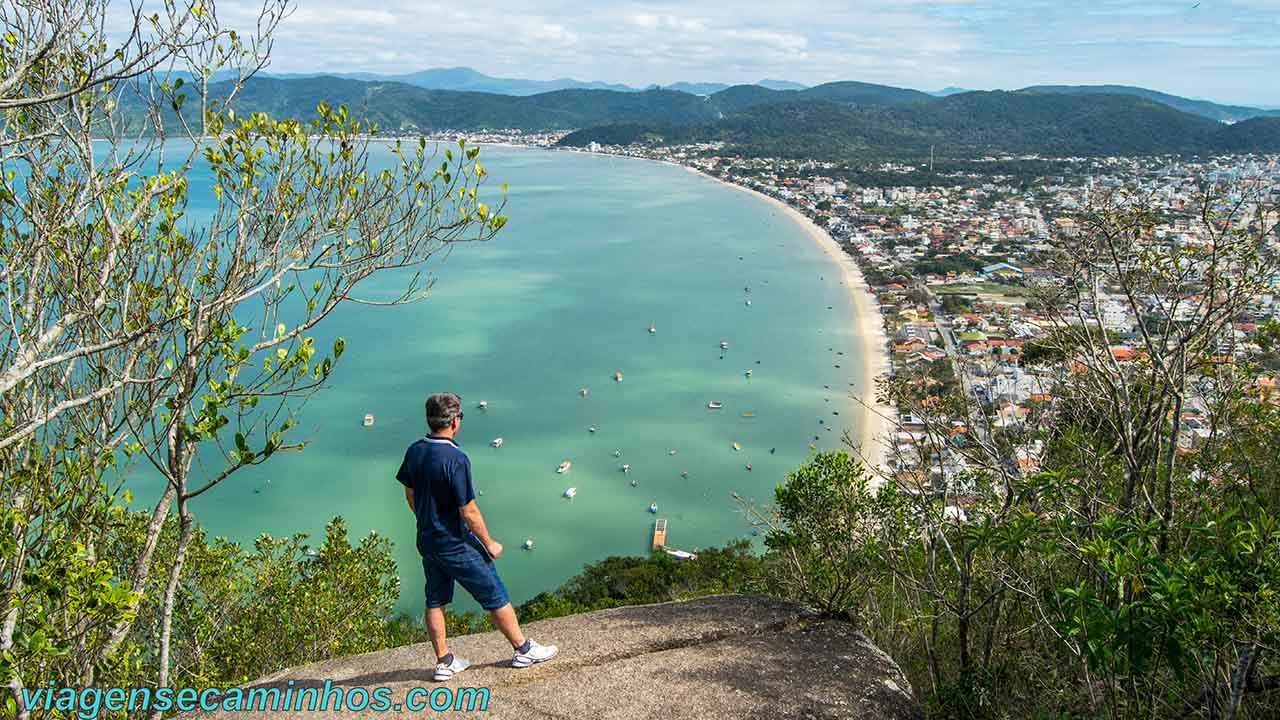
840 118
713 88
463 78
469 80
466 79
399 106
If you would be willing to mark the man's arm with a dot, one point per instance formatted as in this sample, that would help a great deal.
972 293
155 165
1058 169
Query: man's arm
474 520
408 497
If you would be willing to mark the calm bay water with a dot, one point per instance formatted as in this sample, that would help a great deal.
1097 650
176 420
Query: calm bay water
596 249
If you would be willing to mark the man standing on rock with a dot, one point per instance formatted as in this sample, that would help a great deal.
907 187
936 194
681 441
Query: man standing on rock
452 538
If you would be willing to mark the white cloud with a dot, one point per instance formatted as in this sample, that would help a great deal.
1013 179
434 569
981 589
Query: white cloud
1224 49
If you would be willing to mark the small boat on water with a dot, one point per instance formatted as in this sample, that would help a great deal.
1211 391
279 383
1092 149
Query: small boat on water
564 467
368 420
748 303
748 414
571 493
591 429
617 453
582 392
724 344
715 405
748 372
652 328
634 483
737 446
617 377
483 405
528 544
672 451
312 553
682 554
626 468
497 442
653 508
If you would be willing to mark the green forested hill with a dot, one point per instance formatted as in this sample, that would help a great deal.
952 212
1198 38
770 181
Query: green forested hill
395 106
741 97
1255 135
1211 110
963 125
860 93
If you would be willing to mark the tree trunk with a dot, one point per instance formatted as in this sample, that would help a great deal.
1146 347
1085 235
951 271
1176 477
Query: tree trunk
1239 676
170 594
11 616
141 572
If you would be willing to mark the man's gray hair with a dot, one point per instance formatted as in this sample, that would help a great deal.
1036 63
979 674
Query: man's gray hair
442 408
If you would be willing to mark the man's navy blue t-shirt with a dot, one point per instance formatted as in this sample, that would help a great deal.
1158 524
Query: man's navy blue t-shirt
440 475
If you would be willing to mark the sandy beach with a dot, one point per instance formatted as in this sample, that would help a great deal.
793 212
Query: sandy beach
877 419
868 328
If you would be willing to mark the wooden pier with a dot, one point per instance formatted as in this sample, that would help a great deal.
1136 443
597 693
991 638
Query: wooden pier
659 533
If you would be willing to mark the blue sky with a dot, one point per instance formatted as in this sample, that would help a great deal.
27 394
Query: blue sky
1228 51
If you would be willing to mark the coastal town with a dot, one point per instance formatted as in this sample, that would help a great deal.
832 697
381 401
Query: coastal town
959 269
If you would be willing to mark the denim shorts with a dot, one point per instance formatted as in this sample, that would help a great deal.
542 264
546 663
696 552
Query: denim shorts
471 569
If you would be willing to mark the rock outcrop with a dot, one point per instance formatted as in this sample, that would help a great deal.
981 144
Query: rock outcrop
723 657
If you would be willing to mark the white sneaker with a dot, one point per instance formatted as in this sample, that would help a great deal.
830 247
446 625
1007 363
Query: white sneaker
444 672
536 654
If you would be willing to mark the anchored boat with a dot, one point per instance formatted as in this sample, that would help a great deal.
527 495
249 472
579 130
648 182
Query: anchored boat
564 467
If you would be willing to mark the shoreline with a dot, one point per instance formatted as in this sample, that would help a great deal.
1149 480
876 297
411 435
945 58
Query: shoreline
868 329
868 324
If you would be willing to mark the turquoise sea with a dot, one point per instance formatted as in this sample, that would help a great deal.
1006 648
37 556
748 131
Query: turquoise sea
596 249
